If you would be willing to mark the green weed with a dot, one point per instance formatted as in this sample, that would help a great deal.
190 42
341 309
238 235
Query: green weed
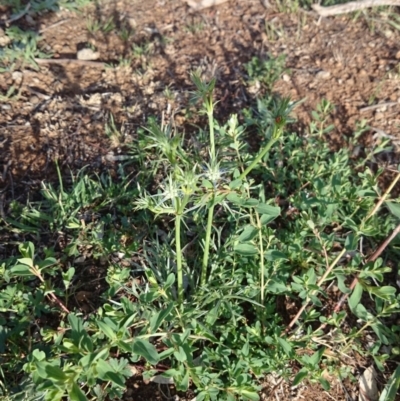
266 71
211 240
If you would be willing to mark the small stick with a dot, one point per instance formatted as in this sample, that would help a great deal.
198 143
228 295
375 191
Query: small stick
377 106
383 198
321 280
372 258
352 6
69 61
60 304
63 21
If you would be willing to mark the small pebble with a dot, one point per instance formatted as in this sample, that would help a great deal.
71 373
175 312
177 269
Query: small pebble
323 74
87 55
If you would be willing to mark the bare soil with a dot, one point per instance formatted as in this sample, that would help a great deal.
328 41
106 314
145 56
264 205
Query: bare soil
64 105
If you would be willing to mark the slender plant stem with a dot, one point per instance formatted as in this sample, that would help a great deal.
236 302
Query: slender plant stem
274 138
211 125
206 251
262 258
178 251
210 217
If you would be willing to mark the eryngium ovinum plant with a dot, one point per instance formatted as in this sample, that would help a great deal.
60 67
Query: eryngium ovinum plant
238 236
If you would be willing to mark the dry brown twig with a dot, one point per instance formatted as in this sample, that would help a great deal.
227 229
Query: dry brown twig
42 61
352 6
200 4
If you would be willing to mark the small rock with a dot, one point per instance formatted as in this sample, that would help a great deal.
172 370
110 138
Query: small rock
388 33
17 76
4 39
132 23
87 55
323 75
286 77
368 386
34 100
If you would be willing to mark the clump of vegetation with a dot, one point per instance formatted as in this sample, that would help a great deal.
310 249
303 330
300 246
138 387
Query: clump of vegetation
201 248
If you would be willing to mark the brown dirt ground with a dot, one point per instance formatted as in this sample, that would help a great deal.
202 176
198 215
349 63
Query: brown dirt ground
62 108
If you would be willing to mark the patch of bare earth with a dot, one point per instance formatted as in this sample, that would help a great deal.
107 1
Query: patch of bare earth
64 106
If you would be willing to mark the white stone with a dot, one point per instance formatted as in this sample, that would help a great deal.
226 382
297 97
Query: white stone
87 55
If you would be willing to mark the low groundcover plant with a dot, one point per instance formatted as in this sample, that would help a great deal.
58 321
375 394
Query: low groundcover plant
229 237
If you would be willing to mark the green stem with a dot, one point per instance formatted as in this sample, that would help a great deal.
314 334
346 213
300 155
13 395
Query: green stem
275 136
260 238
206 251
179 256
211 125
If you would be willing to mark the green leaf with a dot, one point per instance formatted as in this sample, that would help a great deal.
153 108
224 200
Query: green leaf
26 261
272 255
394 208
390 391
341 278
300 376
351 242
235 184
265 219
386 292
180 355
116 378
276 287
379 331
106 330
184 385
235 199
157 319
268 210
102 368
170 280
21 270
246 249
361 312
286 346
250 395
47 262
355 297
146 350
75 322
248 233
27 250
73 225
324 383
316 357
54 373
39 355
76 394
250 203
